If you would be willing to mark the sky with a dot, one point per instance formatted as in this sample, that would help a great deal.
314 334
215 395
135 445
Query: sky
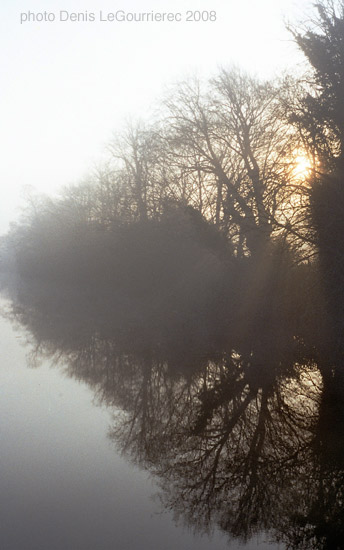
67 86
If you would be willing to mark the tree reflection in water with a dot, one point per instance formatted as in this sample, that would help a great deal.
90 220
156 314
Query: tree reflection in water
234 441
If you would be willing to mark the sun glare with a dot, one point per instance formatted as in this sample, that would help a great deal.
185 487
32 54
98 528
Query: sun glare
302 167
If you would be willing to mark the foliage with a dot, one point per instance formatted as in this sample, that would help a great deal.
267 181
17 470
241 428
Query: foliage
321 115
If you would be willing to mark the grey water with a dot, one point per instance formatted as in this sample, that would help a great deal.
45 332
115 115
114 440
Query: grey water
64 485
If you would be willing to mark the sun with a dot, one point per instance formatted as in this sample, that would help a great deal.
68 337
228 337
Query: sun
302 166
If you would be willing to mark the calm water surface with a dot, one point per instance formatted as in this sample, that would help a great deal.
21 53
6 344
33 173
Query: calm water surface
64 485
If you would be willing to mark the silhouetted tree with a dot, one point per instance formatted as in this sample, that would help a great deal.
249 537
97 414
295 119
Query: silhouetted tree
233 145
322 116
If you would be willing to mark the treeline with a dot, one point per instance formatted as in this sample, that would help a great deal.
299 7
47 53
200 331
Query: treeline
225 212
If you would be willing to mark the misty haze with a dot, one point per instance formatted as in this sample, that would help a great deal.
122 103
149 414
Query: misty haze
172 325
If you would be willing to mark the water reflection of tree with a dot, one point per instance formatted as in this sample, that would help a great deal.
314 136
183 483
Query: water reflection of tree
234 442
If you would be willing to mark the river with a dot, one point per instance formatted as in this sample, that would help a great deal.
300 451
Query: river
64 484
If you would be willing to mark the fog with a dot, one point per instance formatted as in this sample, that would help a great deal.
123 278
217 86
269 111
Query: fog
182 304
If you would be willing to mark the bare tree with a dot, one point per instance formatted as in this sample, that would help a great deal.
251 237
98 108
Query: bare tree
235 146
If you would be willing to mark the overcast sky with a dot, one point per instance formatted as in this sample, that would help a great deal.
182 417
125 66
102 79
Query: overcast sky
66 86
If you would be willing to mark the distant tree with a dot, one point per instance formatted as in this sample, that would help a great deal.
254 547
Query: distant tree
138 160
